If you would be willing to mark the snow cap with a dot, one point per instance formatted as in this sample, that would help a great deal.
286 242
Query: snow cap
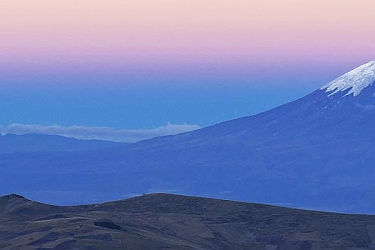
355 80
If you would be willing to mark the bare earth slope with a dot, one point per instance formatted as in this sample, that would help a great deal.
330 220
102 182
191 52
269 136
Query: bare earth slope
164 221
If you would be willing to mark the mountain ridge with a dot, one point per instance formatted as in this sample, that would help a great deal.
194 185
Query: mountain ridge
159 221
11 143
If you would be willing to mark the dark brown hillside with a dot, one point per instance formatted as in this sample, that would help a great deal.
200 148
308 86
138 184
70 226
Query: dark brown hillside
164 221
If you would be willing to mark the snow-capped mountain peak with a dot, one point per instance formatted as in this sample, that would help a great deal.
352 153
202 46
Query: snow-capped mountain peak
354 81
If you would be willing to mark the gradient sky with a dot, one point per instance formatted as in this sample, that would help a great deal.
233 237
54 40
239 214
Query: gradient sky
142 64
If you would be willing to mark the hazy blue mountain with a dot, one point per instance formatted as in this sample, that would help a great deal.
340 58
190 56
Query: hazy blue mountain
11 143
316 152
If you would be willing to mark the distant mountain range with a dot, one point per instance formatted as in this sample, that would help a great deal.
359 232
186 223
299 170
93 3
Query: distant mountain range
316 152
11 143
164 221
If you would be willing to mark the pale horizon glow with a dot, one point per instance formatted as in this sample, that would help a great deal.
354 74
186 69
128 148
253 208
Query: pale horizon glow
167 36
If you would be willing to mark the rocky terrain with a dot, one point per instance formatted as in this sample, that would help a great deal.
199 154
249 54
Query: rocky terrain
165 221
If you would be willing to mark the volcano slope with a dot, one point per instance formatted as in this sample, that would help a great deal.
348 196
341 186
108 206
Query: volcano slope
316 152
165 221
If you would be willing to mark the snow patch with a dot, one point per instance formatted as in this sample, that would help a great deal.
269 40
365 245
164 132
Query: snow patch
355 80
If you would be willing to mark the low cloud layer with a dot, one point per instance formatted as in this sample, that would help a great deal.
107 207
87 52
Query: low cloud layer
98 133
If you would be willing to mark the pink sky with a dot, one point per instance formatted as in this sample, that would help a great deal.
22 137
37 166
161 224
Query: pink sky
167 35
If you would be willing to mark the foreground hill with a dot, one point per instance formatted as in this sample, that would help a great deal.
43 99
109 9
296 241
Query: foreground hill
316 152
164 221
